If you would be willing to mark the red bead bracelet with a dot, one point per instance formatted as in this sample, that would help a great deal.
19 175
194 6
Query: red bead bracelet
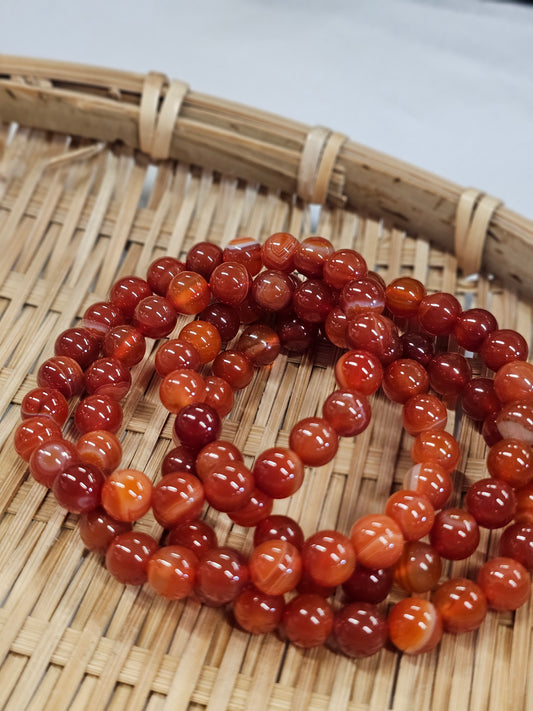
262 299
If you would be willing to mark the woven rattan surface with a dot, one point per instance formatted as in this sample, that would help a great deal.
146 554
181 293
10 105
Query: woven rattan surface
73 637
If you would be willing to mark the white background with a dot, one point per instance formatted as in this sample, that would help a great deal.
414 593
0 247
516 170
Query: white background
446 85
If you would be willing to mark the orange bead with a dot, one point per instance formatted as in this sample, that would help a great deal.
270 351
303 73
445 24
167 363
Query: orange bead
431 481
204 338
415 625
314 440
377 540
403 296
188 292
514 381
462 605
436 446
246 251
219 394
360 371
171 571
424 412
505 582
256 510
177 498
328 557
511 460
275 567
126 494
419 568
101 448
403 379
33 432
180 388
413 513
214 455
278 251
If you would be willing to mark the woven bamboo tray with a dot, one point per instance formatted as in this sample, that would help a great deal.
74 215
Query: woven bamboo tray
100 173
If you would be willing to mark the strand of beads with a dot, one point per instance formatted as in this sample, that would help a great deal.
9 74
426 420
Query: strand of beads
388 335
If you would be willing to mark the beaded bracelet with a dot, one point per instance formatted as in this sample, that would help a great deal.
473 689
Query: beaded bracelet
286 294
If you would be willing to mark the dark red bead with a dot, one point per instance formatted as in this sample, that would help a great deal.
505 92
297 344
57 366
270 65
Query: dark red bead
155 317
224 318
438 313
108 376
80 344
472 327
203 257
368 584
161 272
360 629
479 399
127 292
491 502
278 527
196 425
78 488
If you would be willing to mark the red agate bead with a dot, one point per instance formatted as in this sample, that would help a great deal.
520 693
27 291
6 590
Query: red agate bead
279 527
203 257
424 412
431 480
360 371
511 461
328 557
178 497
335 327
491 502
98 412
360 296
108 376
515 421
404 378
155 317
61 373
196 425
127 556
188 293
413 513
98 529
161 272
278 472
228 486
125 344
234 367
33 433
171 571
178 459
438 313
505 582
377 540
45 402
221 575
347 412
415 625
461 604
312 300
524 503
455 534
214 455
175 354
375 333
343 266
275 567
102 316
272 290
260 344
419 568
517 542
80 344
256 612
403 296
514 382
417 346
101 448
246 251
278 251
368 584
180 388
204 337
308 620
224 318
52 458
78 488
126 494
196 535
479 399
127 292
360 629
472 327
219 395
230 283
449 373
295 335
259 507
503 346
311 254
314 440
436 446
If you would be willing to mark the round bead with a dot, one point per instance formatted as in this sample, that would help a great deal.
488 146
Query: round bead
102 316
178 497
472 327
107 376
220 577
417 346
295 335
98 529
308 620
178 459
246 251
461 604
260 344
360 629
125 344
32 433
431 480
272 290
196 535
279 527
415 625
275 567
52 458
203 257
505 582
234 367
524 503
347 412
101 448
259 507
517 542
256 612
455 534
61 373
343 266
479 399
511 461
127 557
278 251
278 472
403 296
126 494
45 402
219 395
311 254
377 540
228 486
449 373
376 334
335 327
175 354
403 379
491 502
98 412
80 344
368 584
436 446
196 425
328 557
230 283
215 454
78 488
438 313
314 440
127 292
514 382
419 568
515 421
188 293
489 430
204 338
362 295
413 513
171 571
424 412
161 272
360 371
180 388
155 317
312 300
224 318
503 346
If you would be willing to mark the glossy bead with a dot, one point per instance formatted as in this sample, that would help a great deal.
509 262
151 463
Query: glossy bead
472 327
127 292
449 373
347 412
246 251
275 567
514 382
403 296
515 421
180 388
417 346
98 529
32 433
517 542
431 480
161 272
361 295
220 577
312 300
368 584
52 458
279 527
234 367
503 346
311 255
127 557
228 487
258 508
125 344
360 371
314 440
188 292
438 313
376 334
505 582
272 290
79 344
377 540
178 497
419 568
260 344
230 283
524 503
343 266
102 316
413 513
295 335
175 354
278 472
219 395
101 448
415 625
178 459
335 327
107 376
98 412
491 502
61 373
171 571
45 402
455 534
224 318
461 604
155 317
256 612
436 446
278 251
214 455
328 557
424 412
196 535
308 620
404 378
511 461
203 257
126 494
360 629
479 399
196 425
489 430
78 488
204 338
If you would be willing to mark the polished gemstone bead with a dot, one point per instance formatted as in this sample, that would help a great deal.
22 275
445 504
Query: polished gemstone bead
61 373
275 567
347 412
80 344
45 402
108 376
203 257
436 446
413 513
126 494
314 440
511 461
98 412
155 317
377 540
260 344
368 584
415 625
246 251
472 327
178 459
196 425
127 557
178 497
431 480
278 472
514 382
361 295
449 373
376 334
127 292
524 503
311 254
279 527
404 378
98 529
272 290
503 346
335 327
438 313
161 272
78 487
102 316
224 318
417 346
230 283
517 542
278 251
258 508
505 582
515 421
125 344
171 571
100 447
342 266
204 338
403 296
221 576
424 412
180 388
33 433
360 629
234 367
175 354
479 399
219 395
360 371
188 292
312 300
328 557
52 458
491 502
196 535
228 486
490 432
256 612
419 568
461 604
308 620
295 335
215 454
455 534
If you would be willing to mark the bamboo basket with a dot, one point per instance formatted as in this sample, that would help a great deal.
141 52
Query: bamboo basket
103 171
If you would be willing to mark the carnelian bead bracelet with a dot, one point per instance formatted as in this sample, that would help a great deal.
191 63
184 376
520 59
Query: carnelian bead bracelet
330 587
